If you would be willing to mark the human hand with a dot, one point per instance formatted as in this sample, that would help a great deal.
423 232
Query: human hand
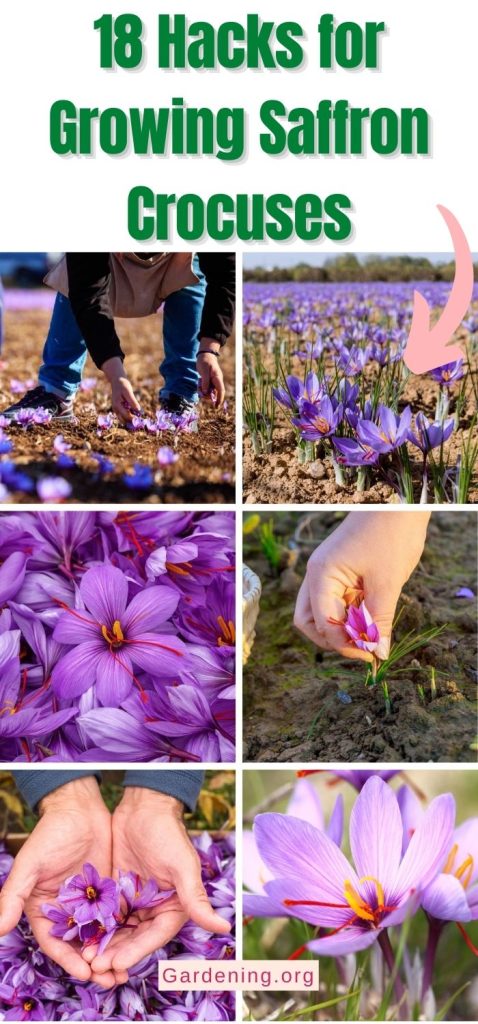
210 373
74 828
372 553
150 838
123 400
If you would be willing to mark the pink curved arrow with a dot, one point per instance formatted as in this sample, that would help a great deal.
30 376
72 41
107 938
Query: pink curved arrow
428 347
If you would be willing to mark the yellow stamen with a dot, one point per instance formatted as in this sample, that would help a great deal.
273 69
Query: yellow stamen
9 708
465 871
114 637
91 892
450 859
117 631
358 905
177 569
321 424
228 631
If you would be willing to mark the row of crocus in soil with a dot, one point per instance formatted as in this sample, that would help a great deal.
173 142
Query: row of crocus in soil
355 342
362 435
408 860
117 636
33 987
55 486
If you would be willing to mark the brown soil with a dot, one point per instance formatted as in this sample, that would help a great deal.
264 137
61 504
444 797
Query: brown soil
277 477
205 469
292 705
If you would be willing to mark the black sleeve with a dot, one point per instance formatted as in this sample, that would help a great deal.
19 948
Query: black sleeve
88 284
219 269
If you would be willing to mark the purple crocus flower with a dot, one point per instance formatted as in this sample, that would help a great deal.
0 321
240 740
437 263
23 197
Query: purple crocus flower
23 1001
351 453
140 479
89 897
318 419
453 894
166 456
88 383
136 423
24 417
138 894
60 445
64 924
361 628
53 488
42 417
111 635
105 421
312 875
311 350
465 592
430 435
391 431
291 395
449 373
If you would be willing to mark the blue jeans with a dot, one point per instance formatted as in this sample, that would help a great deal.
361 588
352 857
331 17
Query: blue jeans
64 352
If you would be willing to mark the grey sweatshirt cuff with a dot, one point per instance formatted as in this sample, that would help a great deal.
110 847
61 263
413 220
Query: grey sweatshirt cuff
184 785
34 785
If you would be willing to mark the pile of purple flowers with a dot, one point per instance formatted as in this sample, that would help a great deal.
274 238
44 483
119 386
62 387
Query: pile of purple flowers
117 636
33 987
347 401
92 909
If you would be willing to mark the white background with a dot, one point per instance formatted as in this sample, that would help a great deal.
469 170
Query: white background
49 50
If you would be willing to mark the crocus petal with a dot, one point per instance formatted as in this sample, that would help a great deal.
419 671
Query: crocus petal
280 890
305 803
350 940
114 677
428 847
445 898
162 654
376 835
75 672
118 733
254 905
12 574
291 846
148 610
335 828
75 628
254 871
104 589
411 811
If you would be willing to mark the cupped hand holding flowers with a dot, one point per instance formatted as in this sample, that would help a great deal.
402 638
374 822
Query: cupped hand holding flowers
151 841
